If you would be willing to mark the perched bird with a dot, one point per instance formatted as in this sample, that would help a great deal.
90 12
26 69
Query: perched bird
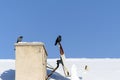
58 39
19 39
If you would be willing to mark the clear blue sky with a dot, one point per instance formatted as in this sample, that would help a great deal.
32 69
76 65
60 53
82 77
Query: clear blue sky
89 28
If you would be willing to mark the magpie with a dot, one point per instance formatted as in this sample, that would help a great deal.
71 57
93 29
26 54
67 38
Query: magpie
58 40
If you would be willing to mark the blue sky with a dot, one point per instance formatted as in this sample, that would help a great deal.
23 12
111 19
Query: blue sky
89 28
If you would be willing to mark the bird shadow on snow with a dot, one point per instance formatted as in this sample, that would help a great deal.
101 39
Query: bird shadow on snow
7 75
56 76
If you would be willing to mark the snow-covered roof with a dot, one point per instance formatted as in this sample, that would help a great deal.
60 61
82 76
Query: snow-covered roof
87 69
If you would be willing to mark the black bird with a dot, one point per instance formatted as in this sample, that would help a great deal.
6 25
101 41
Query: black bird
19 39
59 38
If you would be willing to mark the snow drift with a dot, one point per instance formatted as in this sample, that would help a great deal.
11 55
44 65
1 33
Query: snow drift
85 69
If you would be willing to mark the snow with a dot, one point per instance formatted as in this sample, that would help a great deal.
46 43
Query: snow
82 68
74 75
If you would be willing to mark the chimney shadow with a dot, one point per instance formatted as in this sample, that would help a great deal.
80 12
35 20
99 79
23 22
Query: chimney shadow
8 75
56 76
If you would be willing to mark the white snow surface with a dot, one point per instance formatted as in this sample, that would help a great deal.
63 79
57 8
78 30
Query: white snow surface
74 75
97 69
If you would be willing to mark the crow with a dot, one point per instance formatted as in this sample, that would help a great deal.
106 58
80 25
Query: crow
19 39
58 40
